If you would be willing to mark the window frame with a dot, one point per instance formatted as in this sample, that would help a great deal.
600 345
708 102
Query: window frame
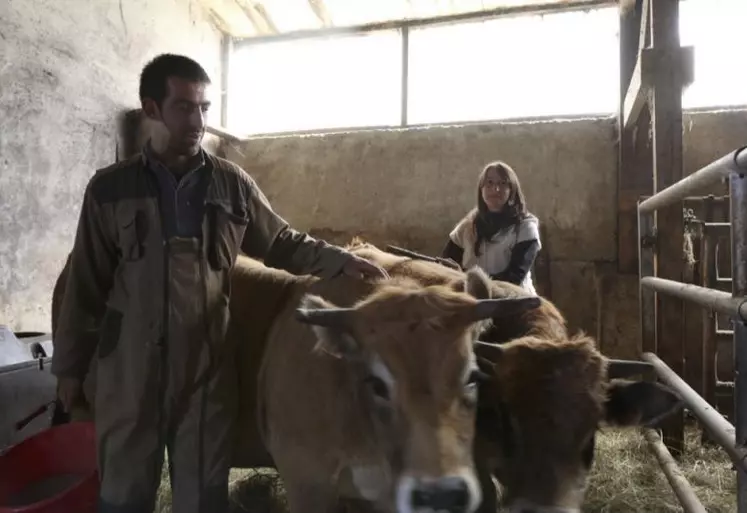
403 27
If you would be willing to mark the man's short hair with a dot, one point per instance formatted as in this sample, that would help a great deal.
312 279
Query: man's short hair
155 75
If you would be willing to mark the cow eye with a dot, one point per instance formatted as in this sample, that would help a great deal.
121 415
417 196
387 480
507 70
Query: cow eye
378 387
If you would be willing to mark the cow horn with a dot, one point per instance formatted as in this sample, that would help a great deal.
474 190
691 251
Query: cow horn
500 307
329 317
623 368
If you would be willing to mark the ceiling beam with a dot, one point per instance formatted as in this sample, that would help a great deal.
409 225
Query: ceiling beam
321 12
499 12
259 17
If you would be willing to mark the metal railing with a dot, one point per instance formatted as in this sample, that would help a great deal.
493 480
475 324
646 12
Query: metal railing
733 167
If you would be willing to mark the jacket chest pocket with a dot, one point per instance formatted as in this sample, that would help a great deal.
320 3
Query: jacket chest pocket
133 230
226 232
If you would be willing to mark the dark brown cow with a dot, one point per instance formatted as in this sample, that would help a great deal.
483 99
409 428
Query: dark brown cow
361 390
549 394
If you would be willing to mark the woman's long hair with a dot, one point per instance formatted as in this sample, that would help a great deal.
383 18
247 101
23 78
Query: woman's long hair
488 223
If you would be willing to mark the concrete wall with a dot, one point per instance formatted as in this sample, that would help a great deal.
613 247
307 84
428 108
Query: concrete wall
67 70
409 187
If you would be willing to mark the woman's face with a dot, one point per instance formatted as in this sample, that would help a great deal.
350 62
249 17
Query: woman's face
495 190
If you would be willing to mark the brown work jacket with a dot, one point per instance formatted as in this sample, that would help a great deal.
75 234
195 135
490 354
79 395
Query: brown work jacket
117 290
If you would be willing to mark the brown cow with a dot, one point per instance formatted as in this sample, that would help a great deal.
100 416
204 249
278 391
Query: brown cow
366 391
549 393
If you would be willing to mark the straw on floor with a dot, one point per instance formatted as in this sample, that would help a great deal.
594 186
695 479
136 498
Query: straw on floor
625 479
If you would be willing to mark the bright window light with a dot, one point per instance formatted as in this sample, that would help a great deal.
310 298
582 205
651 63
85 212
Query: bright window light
715 29
530 66
319 83
515 67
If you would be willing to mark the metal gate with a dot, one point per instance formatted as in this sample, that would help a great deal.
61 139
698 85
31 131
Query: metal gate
655 290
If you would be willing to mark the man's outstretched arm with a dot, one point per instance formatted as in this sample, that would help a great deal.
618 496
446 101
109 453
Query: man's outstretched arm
269 237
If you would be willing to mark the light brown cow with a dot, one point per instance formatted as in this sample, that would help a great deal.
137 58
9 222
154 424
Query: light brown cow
548 395
365 390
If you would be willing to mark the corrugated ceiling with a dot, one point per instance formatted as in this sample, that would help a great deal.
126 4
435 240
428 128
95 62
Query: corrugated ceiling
251 18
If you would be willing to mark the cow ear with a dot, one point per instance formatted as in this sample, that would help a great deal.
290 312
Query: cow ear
331 337
636 403
477 283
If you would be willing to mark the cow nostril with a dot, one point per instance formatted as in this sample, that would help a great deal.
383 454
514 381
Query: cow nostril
448 494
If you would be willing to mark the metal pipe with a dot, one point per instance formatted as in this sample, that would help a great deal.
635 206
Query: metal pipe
405 78
734 162
720 429
738 218
717 300
681 487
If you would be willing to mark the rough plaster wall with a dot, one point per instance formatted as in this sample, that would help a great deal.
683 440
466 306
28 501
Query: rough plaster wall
412 186
68 68
409 187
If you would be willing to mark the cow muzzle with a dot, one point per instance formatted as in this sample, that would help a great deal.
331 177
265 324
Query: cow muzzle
450 494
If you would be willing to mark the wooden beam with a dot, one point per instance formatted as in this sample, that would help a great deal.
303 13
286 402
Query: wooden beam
229 18
321 12
635 98
651 61
634 172
668 169
259 17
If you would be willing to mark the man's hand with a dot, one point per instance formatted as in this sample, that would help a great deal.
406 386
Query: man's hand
360 267
70 391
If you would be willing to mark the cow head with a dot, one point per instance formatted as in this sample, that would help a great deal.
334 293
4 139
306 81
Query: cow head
540 410
409 352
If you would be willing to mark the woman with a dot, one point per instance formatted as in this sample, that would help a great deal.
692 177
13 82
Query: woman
499 236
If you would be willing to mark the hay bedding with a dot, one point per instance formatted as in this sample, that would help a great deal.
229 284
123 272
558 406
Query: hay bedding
625 479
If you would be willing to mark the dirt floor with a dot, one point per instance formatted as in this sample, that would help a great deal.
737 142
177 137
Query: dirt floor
625 479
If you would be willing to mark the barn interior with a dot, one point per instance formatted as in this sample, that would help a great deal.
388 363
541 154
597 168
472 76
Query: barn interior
374 118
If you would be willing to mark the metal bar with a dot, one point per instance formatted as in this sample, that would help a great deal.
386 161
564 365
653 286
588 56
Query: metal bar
498 12
721 302
405 73
716 226
646 268
738 218
721 430
226 48
734 162
708 278
701 199
681 487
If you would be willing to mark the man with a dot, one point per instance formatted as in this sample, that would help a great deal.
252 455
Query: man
157 237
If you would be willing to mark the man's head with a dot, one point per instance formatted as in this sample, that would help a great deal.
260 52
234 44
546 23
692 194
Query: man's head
173 94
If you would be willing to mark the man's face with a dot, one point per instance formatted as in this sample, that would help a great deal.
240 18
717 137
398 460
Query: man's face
182 116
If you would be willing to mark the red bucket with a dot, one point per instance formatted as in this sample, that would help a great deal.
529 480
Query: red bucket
51 472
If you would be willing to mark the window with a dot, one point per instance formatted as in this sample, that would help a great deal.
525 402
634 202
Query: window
527 66
515 67
332 82
715 28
